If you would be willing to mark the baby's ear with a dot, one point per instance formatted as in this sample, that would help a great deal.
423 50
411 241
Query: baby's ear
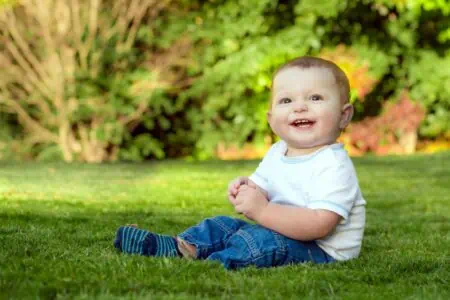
346 115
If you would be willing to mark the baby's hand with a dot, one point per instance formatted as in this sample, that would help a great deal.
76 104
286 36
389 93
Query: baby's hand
240 197
250 202
234 187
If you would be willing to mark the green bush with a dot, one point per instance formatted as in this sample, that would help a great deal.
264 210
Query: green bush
429 78
80 79
196 73
383 41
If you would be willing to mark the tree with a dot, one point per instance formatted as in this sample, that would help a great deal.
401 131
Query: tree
73 73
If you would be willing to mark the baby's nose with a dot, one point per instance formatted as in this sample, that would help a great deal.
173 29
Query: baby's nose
300 106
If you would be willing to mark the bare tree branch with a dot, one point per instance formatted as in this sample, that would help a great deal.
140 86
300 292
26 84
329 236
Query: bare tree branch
28 54
29 122
45 44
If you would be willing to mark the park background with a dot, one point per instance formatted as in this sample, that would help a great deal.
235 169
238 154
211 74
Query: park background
97 81
142 111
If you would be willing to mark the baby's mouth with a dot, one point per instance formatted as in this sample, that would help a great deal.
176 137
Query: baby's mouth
302 123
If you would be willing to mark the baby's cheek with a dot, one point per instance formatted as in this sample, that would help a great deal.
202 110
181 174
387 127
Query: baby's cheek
331 119
331 113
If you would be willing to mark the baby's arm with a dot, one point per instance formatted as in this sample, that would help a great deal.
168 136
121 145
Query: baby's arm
294 222
298 223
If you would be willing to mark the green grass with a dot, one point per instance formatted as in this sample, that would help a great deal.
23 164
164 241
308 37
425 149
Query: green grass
57 224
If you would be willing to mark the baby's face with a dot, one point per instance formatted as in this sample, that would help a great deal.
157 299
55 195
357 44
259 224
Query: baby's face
307 112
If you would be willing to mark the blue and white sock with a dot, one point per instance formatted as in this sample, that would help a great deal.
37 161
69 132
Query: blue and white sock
133 240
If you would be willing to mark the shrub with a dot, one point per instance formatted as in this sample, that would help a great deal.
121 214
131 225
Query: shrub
429 78
148 78
393 132
75 75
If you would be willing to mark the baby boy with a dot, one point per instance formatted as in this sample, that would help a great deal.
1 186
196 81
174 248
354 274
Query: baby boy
304 198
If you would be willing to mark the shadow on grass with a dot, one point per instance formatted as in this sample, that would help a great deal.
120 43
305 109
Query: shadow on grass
168 223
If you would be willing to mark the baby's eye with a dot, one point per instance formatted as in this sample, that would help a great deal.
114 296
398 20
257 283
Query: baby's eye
285 100
316 97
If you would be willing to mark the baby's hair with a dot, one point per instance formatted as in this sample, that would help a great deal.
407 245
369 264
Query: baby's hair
306 62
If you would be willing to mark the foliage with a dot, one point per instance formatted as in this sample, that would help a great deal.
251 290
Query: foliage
429 78
375 42
195 75
355 63
6 138
58 221
80 84
392 132
234 91
7 2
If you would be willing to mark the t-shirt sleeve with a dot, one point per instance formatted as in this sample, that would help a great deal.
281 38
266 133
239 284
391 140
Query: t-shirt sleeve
336 189
261 175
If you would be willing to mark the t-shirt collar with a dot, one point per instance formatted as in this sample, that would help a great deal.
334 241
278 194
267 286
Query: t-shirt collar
300 158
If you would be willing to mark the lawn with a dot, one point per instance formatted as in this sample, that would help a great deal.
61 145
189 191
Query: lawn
58 221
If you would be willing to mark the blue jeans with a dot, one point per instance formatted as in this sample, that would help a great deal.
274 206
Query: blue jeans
237 244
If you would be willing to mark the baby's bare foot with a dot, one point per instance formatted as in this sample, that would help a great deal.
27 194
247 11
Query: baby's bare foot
189 251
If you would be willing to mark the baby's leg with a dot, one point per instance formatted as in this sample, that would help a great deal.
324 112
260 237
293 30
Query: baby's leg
130 239
261 247
209 236
252 245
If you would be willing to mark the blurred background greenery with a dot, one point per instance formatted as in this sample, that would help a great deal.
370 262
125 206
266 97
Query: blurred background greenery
99 80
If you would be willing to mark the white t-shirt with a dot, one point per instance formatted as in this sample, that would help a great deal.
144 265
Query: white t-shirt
324 179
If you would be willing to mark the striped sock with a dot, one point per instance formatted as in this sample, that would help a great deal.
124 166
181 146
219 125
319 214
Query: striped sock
134 240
